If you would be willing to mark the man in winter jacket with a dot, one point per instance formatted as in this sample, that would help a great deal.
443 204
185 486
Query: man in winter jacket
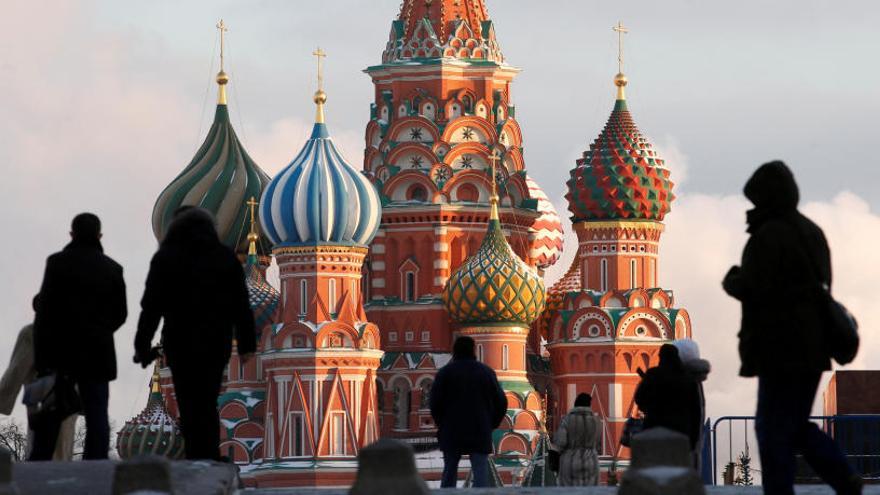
669 396
467 404
782 336
197 285
82 303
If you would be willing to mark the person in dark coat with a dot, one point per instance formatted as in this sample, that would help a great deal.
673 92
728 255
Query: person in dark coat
467 404
782 335
197 285
670 397
82 303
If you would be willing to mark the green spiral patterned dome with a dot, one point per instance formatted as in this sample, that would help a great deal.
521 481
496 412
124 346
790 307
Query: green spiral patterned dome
221 178
494 286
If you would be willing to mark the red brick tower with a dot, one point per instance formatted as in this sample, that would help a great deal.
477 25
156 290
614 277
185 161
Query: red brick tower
608 317
442 108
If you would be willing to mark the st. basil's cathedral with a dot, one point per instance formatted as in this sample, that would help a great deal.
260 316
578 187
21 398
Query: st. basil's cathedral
440 233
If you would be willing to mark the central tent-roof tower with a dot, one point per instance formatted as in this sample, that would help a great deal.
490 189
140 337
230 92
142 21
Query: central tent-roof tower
443 28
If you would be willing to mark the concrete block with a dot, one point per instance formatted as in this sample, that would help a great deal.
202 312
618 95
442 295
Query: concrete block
143 474
660 447
388 467
662 481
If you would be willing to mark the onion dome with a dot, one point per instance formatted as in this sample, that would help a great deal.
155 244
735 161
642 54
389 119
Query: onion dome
570 282
546 246
620 177
220 178
320 198
494 285
153 431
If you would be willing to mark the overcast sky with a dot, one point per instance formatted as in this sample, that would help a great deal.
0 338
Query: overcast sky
104 102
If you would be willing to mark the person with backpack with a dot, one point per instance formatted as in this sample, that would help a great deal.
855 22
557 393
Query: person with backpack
782 284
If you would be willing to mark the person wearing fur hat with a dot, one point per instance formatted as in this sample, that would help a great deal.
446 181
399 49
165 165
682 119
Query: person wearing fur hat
577 440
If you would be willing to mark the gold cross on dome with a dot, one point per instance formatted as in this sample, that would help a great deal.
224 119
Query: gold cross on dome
620 30
320 54
252 204
495 158
221 26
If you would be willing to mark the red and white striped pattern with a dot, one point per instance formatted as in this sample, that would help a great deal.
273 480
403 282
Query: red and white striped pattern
547 244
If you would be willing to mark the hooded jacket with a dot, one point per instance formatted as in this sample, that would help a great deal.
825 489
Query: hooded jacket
784 264
670 397
196 284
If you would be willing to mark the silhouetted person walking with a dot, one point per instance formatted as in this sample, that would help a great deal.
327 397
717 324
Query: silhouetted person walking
578 440
670 397
196 284
781 340
82 303
467 404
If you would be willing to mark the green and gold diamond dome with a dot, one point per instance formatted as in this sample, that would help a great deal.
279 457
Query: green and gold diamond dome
494 286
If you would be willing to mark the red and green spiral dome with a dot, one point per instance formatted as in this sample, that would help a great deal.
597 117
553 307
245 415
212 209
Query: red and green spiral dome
620 177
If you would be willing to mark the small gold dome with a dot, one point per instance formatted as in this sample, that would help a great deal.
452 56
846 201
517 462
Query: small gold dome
320 97
620 79
222 78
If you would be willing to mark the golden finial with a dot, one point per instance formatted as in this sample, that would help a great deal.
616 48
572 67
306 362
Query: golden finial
320 95
222 78
620 79
252 235
493 199
544 412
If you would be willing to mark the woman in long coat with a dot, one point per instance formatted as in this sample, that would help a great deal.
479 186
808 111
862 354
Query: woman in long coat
577 440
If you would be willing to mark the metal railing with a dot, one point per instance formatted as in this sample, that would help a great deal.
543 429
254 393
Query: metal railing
858 436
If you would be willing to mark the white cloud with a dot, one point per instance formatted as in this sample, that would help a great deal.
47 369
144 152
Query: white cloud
675 159
88 130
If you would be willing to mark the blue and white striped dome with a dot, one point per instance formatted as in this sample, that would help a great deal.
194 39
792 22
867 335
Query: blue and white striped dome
320 199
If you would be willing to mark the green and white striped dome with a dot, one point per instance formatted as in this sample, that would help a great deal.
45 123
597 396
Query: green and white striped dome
221 178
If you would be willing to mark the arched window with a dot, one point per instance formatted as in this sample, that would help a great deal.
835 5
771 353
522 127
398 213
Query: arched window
505 357
603 275
651 272
331 296
410 287
401 405
468 193
425 390
365 282
303 296
417 193
468 104
633 274
380 396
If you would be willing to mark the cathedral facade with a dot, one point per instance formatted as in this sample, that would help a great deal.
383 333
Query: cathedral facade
440 232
